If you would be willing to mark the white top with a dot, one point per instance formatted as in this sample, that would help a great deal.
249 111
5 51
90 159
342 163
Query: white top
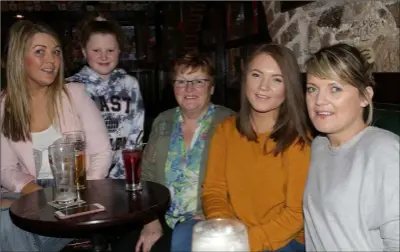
41 141
351 200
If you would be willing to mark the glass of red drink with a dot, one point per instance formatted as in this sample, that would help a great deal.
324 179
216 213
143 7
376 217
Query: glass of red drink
132 155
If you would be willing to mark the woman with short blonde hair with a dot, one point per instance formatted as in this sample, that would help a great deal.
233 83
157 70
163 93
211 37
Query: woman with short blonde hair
351 200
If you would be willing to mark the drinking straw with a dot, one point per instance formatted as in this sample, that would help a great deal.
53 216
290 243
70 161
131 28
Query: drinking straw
138 137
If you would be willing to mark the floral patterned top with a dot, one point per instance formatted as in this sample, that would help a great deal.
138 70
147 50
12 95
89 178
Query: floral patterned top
183 166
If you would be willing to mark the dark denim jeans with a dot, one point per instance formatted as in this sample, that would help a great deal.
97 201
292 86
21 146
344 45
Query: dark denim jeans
182 236
293 246
12 238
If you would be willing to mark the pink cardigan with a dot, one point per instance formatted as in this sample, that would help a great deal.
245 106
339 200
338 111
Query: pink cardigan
17 161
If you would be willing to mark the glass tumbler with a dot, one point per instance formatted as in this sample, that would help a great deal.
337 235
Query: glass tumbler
220 235
62 164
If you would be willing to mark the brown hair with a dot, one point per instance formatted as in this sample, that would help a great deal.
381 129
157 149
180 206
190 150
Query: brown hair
292 122
194 61
90 17
102 27
95 16
342 62
15 123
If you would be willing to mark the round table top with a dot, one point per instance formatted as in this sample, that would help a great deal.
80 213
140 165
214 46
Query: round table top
32 213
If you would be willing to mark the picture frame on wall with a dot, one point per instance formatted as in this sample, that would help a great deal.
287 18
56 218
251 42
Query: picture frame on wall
236 22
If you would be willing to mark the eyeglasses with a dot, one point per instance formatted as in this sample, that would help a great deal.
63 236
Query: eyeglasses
197 83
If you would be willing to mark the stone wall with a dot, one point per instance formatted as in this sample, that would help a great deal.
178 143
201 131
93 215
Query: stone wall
366 24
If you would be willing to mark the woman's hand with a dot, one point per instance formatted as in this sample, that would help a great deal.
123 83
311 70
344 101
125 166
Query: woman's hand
199 217
151 232
5 203
30 187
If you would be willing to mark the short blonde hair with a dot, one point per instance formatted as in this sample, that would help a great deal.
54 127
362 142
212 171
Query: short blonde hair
342 62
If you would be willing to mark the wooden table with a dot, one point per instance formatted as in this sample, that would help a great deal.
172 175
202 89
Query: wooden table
124 211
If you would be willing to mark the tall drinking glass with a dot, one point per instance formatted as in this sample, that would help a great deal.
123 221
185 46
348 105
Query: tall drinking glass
62 164
132 155
220 235
78 139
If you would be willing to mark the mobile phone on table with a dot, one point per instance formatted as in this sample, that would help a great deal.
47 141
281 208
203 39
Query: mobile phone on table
76 211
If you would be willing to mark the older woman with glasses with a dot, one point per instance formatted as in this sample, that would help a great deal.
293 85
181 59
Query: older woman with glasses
177 151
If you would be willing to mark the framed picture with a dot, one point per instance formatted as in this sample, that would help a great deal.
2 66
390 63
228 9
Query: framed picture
235 23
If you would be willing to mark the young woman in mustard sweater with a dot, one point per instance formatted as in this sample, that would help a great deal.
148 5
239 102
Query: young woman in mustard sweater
258 160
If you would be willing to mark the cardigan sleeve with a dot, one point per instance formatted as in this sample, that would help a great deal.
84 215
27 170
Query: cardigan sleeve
148 170
12 178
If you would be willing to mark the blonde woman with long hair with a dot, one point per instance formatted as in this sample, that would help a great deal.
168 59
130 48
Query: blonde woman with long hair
351 200
36 108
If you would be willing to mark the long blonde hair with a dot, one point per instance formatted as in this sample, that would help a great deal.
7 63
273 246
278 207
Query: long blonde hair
16 121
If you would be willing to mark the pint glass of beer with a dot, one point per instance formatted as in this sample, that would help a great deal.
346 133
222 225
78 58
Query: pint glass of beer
78 139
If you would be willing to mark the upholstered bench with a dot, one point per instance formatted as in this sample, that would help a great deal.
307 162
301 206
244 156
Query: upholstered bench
388 118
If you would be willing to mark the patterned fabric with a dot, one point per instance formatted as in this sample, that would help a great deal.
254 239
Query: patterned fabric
121 104
182 168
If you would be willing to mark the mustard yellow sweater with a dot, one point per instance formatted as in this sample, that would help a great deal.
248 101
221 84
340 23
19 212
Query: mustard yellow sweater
262 191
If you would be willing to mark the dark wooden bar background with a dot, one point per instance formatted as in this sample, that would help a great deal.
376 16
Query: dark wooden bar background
203 26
